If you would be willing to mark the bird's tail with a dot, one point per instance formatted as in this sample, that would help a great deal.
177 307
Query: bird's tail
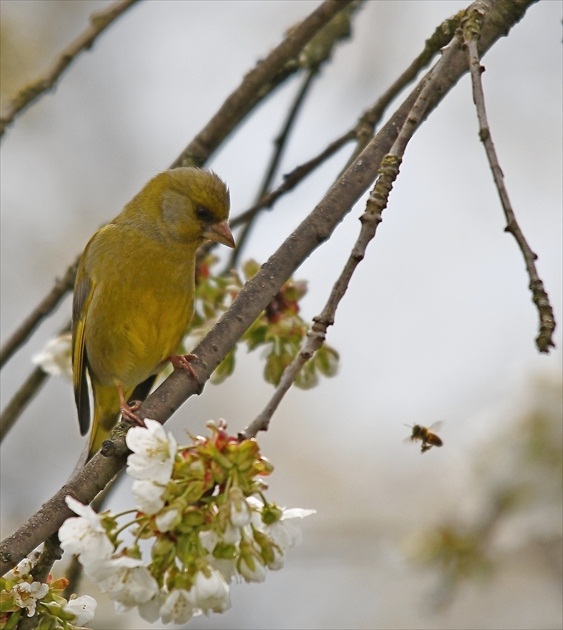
107 409
105 417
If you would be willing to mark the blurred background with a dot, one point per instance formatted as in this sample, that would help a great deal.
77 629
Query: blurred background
437 324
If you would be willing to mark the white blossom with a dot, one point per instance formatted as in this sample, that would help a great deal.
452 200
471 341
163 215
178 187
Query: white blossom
278 560
126 580
20 571
84 535
83 609
227 567
210 593
177 607
168 519
153 454
285 532
55 357
231 535
251 569
208 538
150 610
149 496
240 512
26 595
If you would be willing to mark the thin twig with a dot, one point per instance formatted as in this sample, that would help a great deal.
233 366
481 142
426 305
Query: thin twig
295 177
21 399
370 220
279 147
41 311
281 140
441 36
99 22
471 30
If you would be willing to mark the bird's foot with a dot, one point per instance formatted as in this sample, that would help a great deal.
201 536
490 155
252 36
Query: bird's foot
128 412
182 362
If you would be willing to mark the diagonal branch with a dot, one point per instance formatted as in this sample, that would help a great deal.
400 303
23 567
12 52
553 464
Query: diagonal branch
370 220
257 84
99 22
441 37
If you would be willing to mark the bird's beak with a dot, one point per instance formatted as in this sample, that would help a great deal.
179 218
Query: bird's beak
220 233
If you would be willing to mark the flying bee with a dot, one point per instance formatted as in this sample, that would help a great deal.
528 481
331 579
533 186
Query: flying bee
426 435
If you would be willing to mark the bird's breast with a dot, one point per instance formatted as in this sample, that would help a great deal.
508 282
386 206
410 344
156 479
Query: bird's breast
134 323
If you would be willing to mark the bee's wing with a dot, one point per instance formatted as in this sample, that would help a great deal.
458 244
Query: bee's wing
436 426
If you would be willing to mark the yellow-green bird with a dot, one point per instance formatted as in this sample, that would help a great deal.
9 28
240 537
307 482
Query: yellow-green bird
134 291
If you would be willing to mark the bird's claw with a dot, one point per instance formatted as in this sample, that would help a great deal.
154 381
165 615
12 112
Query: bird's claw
128 412
183 362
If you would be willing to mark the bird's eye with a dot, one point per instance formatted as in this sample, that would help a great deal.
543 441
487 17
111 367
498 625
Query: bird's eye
204 214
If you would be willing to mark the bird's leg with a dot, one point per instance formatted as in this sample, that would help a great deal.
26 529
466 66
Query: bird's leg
128 410
182 362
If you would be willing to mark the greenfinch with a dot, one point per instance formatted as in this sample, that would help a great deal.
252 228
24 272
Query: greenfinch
134 292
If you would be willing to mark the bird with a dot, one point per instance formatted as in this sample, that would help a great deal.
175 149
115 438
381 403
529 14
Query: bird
134 293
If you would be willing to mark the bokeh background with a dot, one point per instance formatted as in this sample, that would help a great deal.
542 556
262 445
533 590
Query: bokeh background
437 323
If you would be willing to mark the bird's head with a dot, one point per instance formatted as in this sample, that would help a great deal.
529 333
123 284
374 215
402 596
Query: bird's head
187 204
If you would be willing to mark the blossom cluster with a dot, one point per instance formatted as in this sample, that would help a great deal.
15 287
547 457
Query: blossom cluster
21 595
279 329
201 511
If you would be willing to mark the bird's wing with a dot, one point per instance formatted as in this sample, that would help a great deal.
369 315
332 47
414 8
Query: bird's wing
83 292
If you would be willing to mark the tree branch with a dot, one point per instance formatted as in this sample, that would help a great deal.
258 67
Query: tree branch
257 84
471 31
99 22
370 220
